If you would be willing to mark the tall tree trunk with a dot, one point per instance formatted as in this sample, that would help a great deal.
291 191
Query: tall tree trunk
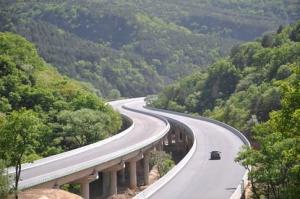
16 182
17 178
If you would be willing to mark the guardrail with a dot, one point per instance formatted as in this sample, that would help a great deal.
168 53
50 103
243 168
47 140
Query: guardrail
237 194
75 151
230 128
120 154
174 171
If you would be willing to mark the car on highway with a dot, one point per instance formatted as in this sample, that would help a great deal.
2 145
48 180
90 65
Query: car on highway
215 155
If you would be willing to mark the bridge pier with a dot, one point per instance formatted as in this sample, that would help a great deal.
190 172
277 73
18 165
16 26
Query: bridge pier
85 189
85 184
146 168
105 183
123 176
110 183
132 173
177 135
169 138
113 183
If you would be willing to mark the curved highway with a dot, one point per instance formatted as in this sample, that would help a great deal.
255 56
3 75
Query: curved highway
198 178
202 177
145 127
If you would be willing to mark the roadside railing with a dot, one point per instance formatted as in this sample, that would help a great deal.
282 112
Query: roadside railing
119 155
239 191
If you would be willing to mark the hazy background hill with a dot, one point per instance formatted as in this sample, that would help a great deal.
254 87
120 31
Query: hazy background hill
243 88
132 47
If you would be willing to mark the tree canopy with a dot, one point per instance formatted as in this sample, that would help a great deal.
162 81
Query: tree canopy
256 90
134 48
34 97
240 87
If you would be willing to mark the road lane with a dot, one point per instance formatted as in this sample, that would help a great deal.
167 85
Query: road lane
202 177
145 127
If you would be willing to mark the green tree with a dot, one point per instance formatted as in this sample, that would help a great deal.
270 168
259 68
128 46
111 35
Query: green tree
276 164
163 161
83 127
267 41
19 133
220 83
295 33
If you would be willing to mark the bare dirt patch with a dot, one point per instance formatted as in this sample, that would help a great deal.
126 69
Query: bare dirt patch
47 194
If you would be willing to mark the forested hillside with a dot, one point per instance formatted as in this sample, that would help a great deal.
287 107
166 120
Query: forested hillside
41 112
133 48
242 87
256 90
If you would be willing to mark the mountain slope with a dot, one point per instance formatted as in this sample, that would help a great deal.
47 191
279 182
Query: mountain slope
28 85
243 88
133 48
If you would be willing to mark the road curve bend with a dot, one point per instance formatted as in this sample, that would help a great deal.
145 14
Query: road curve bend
197 178
200 177
143 133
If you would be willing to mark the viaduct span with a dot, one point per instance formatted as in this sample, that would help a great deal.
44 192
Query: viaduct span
115 160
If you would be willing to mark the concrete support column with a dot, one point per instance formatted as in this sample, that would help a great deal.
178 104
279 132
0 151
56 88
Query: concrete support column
106 182
123 176
190 143
110 183
186 139
132 172
113 182
169 138
165 140
85 189
177 136
187 143
146 168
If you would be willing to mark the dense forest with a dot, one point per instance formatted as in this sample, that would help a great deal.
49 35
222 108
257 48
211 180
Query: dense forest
256 90
42 112
132 48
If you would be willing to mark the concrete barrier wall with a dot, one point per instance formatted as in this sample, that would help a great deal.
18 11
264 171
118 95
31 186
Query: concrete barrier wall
244 182
226 126
112 158
75 151
175 170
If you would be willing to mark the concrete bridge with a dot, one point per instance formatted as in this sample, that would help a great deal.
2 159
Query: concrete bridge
99 168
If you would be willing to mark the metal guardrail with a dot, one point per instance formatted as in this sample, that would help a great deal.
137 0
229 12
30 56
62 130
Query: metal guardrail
237 194
95 162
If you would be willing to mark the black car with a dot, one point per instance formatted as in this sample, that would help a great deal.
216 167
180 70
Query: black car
215 155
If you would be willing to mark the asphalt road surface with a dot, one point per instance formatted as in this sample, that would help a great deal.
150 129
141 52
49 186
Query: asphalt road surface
145 127
202 178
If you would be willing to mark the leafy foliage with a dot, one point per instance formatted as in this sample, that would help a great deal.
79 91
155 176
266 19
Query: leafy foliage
133 48
240 89
276 164
30 89
163 161
19 135
258 83
41 112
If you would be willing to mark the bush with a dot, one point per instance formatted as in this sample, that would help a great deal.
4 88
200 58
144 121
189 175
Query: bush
163 161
